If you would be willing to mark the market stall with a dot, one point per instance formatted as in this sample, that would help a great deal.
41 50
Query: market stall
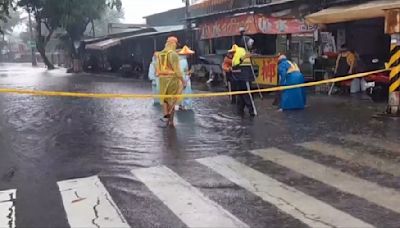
359 27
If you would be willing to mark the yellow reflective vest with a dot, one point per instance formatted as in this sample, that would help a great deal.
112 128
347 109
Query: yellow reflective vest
239 58
163 66
293 67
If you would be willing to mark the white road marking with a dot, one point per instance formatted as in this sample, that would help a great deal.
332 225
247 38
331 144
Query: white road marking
301 206
383 196
186 201
360 158
7 208
374 142
88 204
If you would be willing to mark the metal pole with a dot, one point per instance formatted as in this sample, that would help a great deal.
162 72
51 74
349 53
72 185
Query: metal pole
252 67
230 90
289 39
187 14
154 44
187 4
34 62
251 98
188 24
393 28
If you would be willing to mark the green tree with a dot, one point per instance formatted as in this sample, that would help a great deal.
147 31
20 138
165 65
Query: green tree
5 7
72 15
13 20
47 15
8 25
76 15
111 15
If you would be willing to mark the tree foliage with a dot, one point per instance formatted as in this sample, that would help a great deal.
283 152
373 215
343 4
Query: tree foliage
110 15
13 20
5 7
78 14
47 13
71 15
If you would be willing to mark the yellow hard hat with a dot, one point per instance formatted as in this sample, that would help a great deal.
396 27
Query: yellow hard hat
186 51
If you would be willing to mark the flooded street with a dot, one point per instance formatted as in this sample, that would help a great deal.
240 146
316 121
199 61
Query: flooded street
48 140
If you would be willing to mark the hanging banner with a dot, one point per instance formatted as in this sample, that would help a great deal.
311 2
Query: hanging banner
253 24
267 70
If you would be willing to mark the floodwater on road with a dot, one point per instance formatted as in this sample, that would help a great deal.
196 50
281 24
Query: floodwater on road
47 139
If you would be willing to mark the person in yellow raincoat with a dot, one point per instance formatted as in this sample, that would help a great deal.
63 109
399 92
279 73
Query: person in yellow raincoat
171 78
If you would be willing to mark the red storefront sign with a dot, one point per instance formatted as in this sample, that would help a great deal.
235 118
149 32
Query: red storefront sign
253 24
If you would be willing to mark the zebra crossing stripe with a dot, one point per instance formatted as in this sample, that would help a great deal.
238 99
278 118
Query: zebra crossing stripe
7 208
186 201
375 142
354 156
385 197
88 204
301 206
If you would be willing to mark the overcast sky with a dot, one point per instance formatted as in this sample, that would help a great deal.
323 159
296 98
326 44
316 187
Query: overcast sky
135 10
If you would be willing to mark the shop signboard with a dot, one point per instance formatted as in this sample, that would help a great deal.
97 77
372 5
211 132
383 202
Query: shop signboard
253 24
267 70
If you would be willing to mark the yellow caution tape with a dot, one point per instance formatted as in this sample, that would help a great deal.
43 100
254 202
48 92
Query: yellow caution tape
199 95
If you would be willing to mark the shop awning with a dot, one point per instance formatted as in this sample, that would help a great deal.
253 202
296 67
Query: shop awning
372 9
103 45
159 30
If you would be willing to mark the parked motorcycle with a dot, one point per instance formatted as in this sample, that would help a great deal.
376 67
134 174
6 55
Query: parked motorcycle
378 87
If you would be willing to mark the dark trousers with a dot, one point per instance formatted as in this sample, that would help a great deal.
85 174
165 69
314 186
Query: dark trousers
277 100
243 100
232 82
233 89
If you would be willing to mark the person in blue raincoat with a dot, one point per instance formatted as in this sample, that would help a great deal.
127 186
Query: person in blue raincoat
187 103
290 74
155 81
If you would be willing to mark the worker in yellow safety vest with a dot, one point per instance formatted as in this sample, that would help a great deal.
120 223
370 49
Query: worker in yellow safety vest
171 78
242 74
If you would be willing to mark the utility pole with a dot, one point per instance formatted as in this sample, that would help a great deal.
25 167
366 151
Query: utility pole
34 62
188 24
187 14
392 21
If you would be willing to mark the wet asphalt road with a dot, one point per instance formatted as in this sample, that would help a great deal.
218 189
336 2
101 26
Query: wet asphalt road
44 140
